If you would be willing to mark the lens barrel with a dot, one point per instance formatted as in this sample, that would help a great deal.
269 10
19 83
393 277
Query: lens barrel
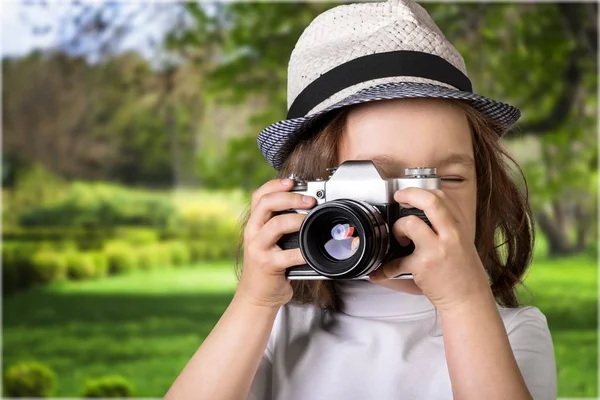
358 253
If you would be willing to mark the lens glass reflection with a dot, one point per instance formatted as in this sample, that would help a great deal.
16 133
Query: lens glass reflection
343 242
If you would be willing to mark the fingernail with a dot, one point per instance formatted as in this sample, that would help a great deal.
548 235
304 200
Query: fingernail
286 182
307 199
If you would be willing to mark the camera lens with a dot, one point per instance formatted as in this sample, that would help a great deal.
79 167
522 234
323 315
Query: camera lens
344 239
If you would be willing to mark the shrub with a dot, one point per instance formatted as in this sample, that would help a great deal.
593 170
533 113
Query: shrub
47 266
59 238
29 379
16 266
100 263
107 387
149 257
137 236
100 205
197 251
80 266
31 187
163 255
180 253
10 275
213 250
121 258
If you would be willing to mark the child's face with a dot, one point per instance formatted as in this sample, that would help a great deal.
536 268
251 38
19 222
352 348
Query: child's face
399 134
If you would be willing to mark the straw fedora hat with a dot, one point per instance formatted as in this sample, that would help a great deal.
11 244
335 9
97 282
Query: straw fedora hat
357 53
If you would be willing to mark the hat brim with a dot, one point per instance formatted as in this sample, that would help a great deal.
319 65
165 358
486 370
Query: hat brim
277 140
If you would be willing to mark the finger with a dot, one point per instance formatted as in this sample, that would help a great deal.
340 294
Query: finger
451 204
274 185
272 202
285 259
432 204
395 268
413 228
276 227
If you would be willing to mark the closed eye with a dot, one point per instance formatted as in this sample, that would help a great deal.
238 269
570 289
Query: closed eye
452 179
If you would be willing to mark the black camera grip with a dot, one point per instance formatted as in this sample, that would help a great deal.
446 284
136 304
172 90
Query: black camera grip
405 212
288 241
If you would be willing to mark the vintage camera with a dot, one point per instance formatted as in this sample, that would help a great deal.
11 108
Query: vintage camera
347 235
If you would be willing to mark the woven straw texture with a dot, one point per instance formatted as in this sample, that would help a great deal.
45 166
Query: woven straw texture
350 31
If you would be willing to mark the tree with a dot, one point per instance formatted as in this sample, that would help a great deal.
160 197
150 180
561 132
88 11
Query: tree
540 57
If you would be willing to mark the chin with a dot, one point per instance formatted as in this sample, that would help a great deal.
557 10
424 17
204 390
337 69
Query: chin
401 285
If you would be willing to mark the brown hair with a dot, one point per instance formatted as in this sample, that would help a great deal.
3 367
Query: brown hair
504 225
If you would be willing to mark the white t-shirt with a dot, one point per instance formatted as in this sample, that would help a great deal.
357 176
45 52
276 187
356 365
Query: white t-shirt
384 344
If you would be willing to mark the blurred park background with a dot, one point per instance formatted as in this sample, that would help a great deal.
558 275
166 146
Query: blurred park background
129 152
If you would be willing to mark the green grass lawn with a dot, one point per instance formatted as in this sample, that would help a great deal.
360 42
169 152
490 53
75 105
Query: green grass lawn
566 290
145 326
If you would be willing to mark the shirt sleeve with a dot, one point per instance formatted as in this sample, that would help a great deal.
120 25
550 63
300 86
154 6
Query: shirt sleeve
532 346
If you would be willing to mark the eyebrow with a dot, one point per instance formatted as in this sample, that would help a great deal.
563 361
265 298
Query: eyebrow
456 158
451 159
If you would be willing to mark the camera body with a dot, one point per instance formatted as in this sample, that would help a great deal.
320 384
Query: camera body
347 235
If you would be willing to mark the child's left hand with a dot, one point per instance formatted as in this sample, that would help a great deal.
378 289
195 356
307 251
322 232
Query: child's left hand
445 264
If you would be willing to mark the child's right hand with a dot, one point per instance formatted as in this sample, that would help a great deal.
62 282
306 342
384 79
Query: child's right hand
263 281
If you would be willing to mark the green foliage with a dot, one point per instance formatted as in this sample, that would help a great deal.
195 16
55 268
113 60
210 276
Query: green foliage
59 238
100 261
31 187
179 252
26 264
81 265
48 266
108 387
137 236
10 275
121 257
98 120
29 379
241 166
16 266
210 229
152 256
202 251
96 206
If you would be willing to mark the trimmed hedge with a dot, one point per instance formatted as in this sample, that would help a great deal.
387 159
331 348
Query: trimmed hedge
121 257
179 252
154 256
35 380
48 266
108 387
100 263
65 238
81 266
94 230
101 205
18 270
29 379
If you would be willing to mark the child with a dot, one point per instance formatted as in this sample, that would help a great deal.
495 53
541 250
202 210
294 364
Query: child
378 81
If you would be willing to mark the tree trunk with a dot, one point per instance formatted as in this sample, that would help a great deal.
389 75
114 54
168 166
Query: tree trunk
583 222
558 239
175 150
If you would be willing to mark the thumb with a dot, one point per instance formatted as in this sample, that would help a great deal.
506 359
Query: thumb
394 269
